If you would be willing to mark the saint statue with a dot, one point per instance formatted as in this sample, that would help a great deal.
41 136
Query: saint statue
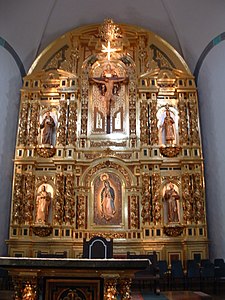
43 202
168 126
107 200
108 89
172 198
47 125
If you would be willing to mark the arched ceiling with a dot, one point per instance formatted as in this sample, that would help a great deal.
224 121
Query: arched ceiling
29 26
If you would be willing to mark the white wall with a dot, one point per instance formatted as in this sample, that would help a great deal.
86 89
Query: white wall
10 84
211 86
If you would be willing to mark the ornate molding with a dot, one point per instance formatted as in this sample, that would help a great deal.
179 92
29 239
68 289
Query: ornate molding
110 235
42 231
46 152
173 230
171 151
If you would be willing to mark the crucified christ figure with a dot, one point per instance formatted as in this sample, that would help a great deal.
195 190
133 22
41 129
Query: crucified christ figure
109 79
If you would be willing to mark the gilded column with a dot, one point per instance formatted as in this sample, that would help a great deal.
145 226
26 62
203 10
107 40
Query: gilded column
182 123
187 196
28 199
144 137
142 53
154 134
133 212
69 200
61 131
146 197
84 107
198 198
156 183
132 104
33 125
80 216
23 130
72 123
59 200
17 214
193 121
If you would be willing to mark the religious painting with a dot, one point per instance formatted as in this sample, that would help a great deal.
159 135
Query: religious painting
107 200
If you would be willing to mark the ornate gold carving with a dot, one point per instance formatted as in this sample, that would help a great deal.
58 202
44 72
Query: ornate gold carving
61 132
183 126
161 58
42 231
109 31
29 292
23 130
144 123
108 153
84 101
109 235
81 212
136 113
109 164
110 283
154 134
56 59
25 288
69 200
132 101
28 199
72 55
125 288
188 214
156 183
46 151
33 125
145 201
133 212
142 53
59 200
193 120
198 198
108 144
17 215
173 231
72 123
170 151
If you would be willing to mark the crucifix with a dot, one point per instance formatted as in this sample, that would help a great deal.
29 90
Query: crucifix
109 78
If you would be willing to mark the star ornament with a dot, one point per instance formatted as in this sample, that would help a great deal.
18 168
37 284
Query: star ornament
107 49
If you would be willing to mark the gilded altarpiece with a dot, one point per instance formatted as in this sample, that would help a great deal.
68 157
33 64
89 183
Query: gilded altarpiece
109 144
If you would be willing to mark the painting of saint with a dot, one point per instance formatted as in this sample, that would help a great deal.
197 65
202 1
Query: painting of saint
108 200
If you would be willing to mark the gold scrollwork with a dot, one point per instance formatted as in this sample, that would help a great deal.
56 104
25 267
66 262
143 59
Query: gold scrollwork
170 151
42 231
173 231
46 152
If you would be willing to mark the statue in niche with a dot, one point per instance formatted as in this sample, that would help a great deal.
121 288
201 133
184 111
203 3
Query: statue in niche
172 198
47 125
109 88
168 128
107 199
43 202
